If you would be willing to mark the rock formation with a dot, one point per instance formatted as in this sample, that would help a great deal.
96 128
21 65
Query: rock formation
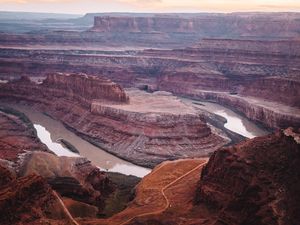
29 173
257 78
147 130
166 30
236 24
87 87
255 182
74 178
29 200
17 137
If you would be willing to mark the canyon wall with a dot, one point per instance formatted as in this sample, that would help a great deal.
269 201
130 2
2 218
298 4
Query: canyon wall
267 71
254 182
39 203
88 87
148 129
159 30
30 172
235 24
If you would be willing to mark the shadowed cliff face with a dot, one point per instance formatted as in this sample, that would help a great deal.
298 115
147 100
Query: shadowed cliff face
255 182
17 136
29 200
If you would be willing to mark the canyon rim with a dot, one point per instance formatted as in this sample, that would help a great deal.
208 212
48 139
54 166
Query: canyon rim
149 118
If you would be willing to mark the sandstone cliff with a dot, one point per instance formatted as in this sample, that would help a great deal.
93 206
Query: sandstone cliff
264 70
235 24
87 87
149 129
29 200
29 172
166 30
255 182
17 137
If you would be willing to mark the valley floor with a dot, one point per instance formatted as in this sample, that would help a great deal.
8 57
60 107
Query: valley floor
168 190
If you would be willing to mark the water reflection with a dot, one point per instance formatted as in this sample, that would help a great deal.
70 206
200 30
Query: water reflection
57 148
235 122
50 130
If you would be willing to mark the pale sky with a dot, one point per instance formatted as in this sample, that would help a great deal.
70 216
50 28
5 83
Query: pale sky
85 6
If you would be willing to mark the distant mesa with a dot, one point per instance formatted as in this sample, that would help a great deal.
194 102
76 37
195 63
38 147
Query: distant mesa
221 25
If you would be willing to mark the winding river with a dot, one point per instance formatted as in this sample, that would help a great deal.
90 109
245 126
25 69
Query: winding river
235 122
50 132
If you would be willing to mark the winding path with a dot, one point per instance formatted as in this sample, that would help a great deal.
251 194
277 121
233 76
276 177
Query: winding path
164 195
65 209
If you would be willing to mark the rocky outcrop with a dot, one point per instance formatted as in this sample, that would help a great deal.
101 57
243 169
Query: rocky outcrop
270 114
24 154
149 129
17 137
87 87
255 182
252 68
29 200
75 178
31 176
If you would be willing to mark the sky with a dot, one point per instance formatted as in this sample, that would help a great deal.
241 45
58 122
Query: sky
87 6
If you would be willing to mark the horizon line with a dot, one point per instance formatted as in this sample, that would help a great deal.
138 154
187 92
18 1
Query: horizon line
149 12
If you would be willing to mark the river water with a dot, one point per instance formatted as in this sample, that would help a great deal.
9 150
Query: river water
50 131
235 122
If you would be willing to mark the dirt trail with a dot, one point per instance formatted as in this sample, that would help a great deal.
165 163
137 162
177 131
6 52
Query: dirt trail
72 220
163 189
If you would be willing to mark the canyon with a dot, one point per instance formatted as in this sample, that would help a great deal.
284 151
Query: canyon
162 197
42 181
257 78
140 127
151 89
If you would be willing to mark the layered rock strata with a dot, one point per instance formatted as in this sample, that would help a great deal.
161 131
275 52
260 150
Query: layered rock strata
268 113
149 129
166 30
17 137
236 24
87 87
266 71
255 182
29 200
30 171
74 178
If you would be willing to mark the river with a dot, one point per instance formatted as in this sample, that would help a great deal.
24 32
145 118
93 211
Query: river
50 131
235 122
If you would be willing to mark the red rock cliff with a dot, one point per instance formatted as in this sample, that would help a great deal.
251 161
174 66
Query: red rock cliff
247 25
151 129
88 87
255 182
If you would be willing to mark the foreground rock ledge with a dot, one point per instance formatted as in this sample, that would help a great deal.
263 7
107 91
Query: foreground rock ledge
142 128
